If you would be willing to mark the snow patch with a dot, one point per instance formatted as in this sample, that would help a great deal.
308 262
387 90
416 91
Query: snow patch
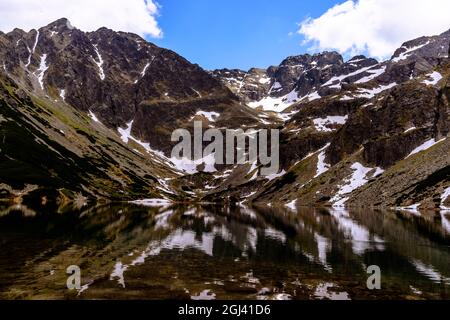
336 86
355 60
345 76
119 269
198 93
370 93
323 292
264 80
99 63
69 25
322 167
322 124
276 86
375 73
445 220
410 129
211 116
358 178
152 202
346 98
62 94
414 209
144 71
292 205
190 166
408 51
125 134
444 198
40 73
430 272
183 164
275 235
204 295
435 78
425 146
275 175
311 97
276 104
93 117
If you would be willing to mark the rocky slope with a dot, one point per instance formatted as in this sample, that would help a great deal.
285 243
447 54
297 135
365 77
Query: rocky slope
91 114
306 78
361 133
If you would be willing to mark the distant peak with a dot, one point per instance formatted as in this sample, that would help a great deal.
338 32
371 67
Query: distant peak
61 23
326 53
360 57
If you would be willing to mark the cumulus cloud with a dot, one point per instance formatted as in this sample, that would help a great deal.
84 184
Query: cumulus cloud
375 27
137 16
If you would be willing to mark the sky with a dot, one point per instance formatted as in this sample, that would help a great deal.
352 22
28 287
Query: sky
236 33
246 33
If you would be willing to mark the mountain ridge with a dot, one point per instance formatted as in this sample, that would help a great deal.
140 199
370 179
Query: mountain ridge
344 124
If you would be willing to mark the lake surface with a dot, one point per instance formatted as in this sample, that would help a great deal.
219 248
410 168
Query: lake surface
218 252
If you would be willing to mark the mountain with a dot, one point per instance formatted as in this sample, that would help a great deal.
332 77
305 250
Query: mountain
359 132
78 106
90 115
305 78
118 77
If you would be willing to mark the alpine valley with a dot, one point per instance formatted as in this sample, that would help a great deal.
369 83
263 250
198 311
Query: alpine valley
88 117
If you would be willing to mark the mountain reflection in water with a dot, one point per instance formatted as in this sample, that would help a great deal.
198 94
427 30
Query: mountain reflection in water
218 252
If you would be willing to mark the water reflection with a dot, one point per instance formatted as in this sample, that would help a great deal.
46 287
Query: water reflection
220 252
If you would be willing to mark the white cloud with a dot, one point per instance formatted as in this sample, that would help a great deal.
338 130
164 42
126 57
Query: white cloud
375 27
137 16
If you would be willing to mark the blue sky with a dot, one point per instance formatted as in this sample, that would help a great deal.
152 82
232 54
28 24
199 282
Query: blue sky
236 33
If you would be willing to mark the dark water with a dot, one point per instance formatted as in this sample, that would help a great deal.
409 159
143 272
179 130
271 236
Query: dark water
216 252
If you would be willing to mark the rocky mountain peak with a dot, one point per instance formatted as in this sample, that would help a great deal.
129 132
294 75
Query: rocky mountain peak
15 32
362 60
428 48
112 75
306 60
114 99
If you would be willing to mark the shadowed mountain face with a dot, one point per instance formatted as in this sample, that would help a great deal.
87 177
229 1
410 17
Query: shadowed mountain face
352 128
91 115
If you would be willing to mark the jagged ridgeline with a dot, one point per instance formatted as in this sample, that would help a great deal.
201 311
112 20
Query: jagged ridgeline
90 115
